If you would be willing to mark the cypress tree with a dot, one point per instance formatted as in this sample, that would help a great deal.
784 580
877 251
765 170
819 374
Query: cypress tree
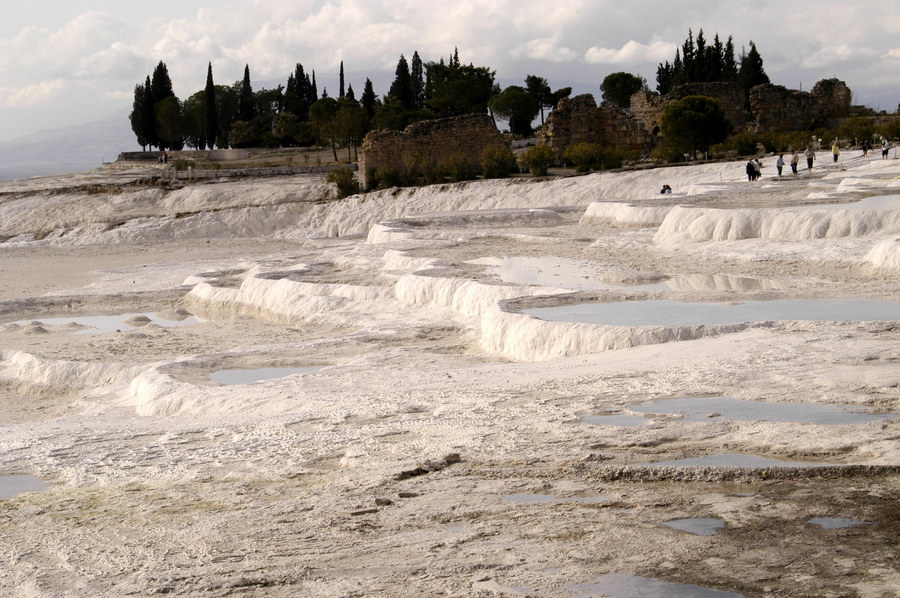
350 95
245 97
138 114
341 88
160 85
368 98
211 129
401 88
417 82
148 122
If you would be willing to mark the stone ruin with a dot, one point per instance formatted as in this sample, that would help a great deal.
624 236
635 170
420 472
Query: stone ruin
434 140
581 120
772 108
777 108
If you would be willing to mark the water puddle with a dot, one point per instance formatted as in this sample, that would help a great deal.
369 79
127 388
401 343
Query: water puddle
233 377
625 585
877 202
14 485
583 275
699 409
699 526
696 409
534 499
732 460
677 313
114 323
836 522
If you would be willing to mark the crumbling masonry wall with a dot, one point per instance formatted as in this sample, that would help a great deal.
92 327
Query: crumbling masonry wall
434 140
580 119
777 108
772 107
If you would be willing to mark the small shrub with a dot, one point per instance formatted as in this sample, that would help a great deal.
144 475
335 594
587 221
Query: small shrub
345 179
584 156
497 161
386 177
538 158
458 167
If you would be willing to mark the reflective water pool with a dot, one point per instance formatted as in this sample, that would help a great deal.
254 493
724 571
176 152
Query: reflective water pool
678 313
113 323
836 522
699 526
698 409
249 376
732 460
625 585
14 485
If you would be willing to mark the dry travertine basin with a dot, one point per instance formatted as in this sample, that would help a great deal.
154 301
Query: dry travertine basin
398 468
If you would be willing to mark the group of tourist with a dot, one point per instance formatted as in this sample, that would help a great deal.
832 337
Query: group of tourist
754 167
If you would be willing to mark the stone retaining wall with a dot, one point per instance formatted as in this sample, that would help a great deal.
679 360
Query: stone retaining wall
433 140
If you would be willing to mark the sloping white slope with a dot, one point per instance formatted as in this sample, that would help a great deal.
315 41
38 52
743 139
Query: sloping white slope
783 224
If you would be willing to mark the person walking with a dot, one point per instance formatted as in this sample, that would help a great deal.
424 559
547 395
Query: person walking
835 151
779 164
885 146
810 154
795 159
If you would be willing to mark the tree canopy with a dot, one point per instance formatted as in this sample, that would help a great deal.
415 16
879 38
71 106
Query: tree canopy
618 88
517 106
694 123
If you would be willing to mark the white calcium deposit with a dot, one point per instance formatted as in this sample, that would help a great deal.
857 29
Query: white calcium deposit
383 470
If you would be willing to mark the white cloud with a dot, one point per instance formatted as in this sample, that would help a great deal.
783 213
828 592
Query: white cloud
632 52
546 49
32 95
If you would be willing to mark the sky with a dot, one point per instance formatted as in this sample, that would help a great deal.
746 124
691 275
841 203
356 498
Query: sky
70 62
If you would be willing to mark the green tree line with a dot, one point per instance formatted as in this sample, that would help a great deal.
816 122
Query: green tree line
296 114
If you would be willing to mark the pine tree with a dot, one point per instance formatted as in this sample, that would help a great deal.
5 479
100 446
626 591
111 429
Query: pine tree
368 98
211 129
417 82
729 65
341 89
246 108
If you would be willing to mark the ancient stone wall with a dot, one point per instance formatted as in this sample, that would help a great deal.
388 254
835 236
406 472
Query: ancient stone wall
580 119
776 108
647 106
435 140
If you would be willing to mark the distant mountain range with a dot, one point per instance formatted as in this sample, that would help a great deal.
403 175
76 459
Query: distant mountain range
67 149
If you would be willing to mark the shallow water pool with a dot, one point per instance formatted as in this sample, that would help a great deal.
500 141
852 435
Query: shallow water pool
249 376
14 485
732 460
699 526
679 313
699 409
836 522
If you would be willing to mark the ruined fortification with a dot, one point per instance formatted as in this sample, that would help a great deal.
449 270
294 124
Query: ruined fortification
580 119
772 107
434 140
